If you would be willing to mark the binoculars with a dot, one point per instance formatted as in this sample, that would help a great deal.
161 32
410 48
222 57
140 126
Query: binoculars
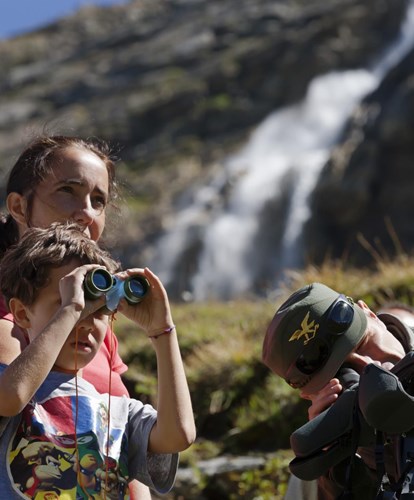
101 282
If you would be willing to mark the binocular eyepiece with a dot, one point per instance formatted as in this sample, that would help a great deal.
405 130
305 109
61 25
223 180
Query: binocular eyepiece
101 282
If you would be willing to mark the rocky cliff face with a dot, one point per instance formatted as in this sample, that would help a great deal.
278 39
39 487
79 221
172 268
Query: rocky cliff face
176 85
364 201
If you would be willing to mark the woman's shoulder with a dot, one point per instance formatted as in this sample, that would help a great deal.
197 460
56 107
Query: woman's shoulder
4 311
12 341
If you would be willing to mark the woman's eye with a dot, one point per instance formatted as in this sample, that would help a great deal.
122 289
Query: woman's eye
66 189
99 201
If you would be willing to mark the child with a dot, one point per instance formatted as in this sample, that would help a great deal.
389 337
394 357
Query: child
62 439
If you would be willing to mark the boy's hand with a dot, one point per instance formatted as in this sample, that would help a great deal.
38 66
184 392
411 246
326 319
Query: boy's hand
72 292
322 399
153 313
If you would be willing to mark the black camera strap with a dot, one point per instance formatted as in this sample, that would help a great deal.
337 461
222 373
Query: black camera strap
405 483
347 493
385 489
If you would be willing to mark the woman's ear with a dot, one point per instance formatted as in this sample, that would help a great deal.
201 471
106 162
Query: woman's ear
17 207
19 311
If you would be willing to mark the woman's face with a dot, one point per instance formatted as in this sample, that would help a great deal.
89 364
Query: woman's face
76 190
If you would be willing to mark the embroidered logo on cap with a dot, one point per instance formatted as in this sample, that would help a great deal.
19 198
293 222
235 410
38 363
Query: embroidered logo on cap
308 330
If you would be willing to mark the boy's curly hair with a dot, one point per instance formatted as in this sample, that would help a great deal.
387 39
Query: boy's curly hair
25 267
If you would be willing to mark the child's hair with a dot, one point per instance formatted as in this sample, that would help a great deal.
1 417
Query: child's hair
35 163
25 267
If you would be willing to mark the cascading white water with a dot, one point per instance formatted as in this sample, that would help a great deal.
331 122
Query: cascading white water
293 141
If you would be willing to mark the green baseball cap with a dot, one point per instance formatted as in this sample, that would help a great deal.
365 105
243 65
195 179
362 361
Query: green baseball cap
311 334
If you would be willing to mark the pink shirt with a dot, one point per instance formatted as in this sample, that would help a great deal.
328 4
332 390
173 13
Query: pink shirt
98 370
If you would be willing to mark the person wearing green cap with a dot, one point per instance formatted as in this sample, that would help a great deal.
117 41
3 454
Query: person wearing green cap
312 335
396 316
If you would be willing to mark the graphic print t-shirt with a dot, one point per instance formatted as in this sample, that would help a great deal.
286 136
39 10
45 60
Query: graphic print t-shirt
46 459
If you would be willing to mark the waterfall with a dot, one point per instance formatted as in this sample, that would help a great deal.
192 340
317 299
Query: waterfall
281 161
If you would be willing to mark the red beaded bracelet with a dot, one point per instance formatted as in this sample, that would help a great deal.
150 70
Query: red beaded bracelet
163 332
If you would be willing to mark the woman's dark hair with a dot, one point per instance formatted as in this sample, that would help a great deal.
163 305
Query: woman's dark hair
35 163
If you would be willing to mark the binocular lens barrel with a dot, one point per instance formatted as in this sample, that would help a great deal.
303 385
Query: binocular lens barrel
135 289
96 283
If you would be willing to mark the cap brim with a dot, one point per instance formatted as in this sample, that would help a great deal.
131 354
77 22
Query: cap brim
341 348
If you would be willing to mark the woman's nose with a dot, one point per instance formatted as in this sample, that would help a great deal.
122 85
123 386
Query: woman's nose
85 215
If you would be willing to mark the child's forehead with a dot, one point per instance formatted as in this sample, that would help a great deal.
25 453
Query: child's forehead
57 273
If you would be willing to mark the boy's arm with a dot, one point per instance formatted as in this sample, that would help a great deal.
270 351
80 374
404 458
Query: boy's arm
175 428
21 379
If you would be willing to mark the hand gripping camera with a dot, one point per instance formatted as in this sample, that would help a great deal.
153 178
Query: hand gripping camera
100 282
377 411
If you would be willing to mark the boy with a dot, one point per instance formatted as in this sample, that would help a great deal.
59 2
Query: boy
61 438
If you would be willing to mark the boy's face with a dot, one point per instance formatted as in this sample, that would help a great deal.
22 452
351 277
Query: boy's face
84 340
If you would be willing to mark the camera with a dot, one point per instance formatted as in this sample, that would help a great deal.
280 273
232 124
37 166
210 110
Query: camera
347 377
101 282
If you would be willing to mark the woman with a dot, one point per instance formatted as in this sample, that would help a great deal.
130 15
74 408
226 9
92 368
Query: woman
55 179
